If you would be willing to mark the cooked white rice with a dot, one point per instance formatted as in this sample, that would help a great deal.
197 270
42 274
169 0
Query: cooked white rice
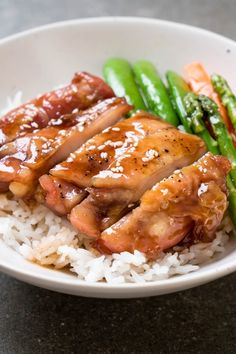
42 237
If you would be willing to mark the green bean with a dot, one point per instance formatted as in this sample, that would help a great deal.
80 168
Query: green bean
154 91
119 75
178 90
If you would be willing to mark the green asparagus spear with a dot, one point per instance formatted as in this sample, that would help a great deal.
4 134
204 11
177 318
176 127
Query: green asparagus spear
221 133
119 75
226 94
195 113
178 90
154 91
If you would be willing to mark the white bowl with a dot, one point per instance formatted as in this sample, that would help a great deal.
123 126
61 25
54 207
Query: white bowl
39 59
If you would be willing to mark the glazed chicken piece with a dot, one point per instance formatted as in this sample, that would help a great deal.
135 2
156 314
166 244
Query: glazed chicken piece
25 159
99 152
95 155
118 188
84 91
192 200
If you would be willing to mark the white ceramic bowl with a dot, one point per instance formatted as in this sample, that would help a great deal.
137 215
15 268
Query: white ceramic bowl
39 59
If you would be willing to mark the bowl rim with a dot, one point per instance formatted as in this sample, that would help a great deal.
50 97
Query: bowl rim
112 19
185 281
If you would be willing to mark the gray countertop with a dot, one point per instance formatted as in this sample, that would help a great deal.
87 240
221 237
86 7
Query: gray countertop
201 320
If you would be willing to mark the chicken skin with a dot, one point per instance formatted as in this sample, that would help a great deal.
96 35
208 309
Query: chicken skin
25 159
94 156
84 91
192 200
119 187
98 153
